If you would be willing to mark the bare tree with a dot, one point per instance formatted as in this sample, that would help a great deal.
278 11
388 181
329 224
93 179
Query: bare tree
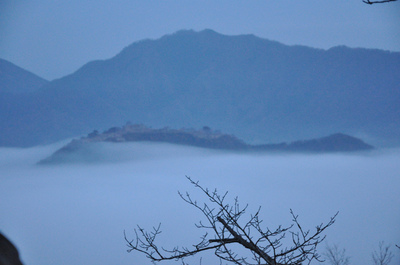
224 228
336 256
378 1
383 256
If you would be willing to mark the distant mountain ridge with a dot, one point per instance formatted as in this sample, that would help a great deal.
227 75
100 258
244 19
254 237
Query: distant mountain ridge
15 80
260 90
204 138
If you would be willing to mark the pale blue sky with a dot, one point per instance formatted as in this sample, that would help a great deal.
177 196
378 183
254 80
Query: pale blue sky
53 38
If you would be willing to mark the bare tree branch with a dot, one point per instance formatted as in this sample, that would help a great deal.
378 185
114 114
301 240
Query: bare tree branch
224 222
378 2
383 255
336 256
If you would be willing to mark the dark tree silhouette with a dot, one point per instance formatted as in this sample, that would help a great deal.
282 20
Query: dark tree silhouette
224 228
8 252
378 1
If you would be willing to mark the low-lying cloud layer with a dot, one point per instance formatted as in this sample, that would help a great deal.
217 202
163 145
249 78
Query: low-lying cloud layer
76 213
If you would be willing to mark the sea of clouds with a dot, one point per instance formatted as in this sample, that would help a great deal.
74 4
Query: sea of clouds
76 213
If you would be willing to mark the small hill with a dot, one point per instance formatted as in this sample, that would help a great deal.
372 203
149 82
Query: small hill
337 142
204 138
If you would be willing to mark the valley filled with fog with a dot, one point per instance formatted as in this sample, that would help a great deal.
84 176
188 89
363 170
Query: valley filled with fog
76 213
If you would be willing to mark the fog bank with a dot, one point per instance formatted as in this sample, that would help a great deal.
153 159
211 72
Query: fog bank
76 213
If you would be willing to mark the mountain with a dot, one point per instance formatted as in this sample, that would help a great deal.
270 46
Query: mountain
84 149
260 90
15 80
17 87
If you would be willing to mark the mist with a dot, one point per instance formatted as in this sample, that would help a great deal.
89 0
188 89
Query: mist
76 213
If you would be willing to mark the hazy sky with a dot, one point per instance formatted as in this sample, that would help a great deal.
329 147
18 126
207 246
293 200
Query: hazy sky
53 38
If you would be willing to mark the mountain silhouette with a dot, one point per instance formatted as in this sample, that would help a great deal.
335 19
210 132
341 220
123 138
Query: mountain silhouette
15 80
260 90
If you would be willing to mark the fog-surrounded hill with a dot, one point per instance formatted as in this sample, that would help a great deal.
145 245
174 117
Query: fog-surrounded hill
84 149
260 90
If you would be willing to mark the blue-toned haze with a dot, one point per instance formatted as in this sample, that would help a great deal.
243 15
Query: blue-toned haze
76 213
